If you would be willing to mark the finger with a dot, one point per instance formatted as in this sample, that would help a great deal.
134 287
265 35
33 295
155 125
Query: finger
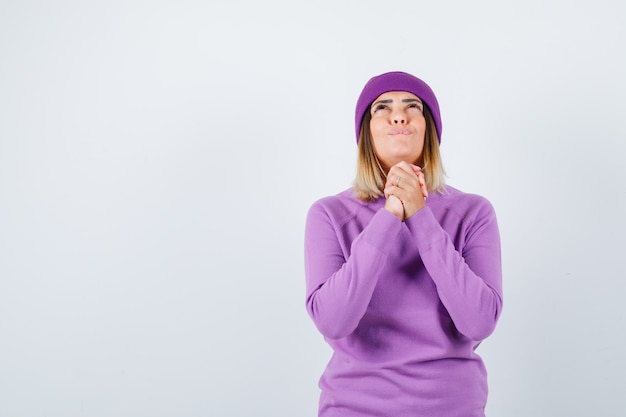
396 182
394 178
422 182
404 167
415 167
390 190
402 170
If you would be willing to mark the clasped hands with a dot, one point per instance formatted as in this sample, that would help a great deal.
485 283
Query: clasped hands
405 190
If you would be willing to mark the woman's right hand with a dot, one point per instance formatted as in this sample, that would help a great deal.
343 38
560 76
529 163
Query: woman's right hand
394 206
407 184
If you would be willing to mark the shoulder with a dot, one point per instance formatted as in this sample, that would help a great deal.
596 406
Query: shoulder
338 208
465 205
451 194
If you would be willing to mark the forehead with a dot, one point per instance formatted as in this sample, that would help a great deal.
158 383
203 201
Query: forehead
396 95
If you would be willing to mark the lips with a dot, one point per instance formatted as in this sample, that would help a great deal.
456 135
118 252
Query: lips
399 131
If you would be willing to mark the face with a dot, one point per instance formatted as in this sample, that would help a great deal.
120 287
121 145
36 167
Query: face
398 128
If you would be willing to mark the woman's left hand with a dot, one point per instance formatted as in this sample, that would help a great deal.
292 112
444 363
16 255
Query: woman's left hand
406 181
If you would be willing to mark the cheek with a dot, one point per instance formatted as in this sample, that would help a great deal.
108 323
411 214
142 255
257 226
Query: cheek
374 125
421 128
421 124
375 131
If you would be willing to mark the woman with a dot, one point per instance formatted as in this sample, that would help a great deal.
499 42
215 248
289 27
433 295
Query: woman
403 273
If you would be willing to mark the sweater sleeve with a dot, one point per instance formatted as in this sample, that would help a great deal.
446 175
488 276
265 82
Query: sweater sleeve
469 284
339 289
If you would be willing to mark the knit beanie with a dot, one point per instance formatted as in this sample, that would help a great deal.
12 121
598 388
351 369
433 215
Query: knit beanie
396 81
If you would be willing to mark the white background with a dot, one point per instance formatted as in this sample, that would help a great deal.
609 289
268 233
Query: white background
157 160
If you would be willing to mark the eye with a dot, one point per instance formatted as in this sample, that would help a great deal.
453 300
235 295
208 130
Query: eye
380 107
418 106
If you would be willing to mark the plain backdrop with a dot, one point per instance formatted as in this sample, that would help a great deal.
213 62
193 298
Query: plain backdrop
158 158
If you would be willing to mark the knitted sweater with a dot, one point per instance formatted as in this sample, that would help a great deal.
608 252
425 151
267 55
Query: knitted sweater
403 304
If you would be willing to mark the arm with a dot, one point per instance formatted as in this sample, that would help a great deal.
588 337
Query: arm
339 289
469 284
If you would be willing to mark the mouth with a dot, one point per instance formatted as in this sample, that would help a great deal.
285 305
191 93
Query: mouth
399 131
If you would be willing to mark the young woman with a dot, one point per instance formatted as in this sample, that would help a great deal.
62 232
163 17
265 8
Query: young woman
403 273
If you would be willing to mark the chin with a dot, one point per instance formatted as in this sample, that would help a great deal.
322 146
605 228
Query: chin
410 159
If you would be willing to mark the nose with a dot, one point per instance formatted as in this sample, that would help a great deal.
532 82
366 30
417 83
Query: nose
398 117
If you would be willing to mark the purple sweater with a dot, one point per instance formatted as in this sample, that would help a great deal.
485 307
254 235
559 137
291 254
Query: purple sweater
403 304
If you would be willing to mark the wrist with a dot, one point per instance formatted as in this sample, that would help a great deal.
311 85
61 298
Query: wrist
395 206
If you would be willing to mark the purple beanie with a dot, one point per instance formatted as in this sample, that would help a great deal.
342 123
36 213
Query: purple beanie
396 81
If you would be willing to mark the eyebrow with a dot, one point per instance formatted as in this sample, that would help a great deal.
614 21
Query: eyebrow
404 100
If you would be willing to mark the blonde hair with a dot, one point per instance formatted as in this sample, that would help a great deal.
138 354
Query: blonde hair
370 176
